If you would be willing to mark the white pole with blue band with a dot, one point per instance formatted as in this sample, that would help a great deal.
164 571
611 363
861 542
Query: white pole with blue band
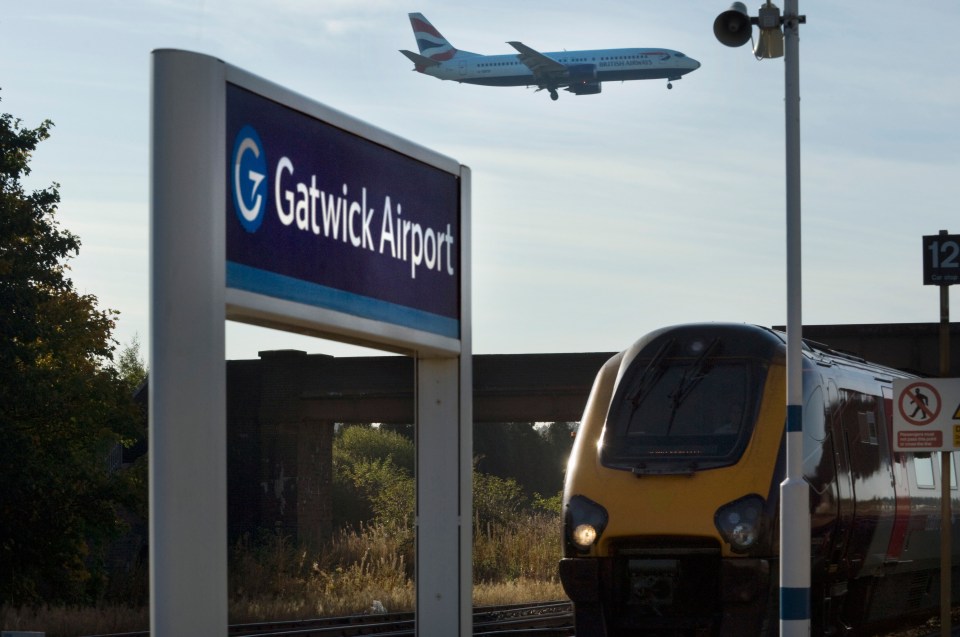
733 28
794 493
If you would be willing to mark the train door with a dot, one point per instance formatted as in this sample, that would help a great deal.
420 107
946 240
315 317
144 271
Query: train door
846 503
819 470
871 473
901 485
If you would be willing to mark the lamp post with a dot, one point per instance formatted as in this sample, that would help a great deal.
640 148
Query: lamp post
733 28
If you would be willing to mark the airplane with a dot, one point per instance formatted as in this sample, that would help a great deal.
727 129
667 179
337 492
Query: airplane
580 72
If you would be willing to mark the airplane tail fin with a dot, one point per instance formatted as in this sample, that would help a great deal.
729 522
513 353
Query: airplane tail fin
431 43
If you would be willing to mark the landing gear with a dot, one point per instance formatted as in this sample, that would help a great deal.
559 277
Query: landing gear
554 95
669 85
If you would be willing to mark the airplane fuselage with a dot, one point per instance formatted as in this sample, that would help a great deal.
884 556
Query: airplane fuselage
610 65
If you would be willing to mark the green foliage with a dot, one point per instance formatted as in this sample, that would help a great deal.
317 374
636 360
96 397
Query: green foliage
355 442
552 505
373 477
62 405
130 365
513 538
496 500
388 489
534 456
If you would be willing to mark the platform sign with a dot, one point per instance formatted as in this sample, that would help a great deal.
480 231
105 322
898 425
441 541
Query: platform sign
926 414
941 259
325 217
273 209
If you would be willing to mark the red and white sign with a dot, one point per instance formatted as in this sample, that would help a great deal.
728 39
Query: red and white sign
926 414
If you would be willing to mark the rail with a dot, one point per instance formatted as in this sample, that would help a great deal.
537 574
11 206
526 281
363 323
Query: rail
546 619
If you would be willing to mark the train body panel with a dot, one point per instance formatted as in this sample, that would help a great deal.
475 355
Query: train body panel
662 500
671 500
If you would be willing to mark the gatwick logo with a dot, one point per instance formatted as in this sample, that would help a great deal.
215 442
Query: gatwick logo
248 177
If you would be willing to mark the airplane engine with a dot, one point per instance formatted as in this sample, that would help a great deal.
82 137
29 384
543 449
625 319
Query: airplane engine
583 79
584 88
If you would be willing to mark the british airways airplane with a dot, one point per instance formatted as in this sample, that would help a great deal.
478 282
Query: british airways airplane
579 72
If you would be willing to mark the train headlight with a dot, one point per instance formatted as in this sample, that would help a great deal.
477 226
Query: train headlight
585 521
584 535
739 522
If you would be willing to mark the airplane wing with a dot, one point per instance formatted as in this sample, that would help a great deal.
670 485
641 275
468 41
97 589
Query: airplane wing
541 65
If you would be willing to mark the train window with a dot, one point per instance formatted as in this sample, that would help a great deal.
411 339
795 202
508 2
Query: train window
868 427
866 454
687 406
814 425
923 471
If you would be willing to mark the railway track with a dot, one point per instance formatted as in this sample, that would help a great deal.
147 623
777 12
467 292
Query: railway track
547 619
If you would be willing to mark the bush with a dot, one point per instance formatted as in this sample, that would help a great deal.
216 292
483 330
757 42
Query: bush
360 442
496 500
372 478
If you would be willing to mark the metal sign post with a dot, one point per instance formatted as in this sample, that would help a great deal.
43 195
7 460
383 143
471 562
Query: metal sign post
927 413
794 490
272 209
946 516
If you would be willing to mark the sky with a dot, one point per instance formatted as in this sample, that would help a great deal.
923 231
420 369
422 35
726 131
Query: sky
595 219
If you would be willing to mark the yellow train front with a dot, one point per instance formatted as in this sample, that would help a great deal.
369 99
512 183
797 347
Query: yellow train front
672 491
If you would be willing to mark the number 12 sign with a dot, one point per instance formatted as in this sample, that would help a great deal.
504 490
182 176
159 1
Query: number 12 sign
941 259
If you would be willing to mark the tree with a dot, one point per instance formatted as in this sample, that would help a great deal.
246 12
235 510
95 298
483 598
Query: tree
63 406
130 365
535 459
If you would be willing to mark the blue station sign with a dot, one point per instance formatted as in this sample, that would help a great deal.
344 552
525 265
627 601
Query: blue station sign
320 216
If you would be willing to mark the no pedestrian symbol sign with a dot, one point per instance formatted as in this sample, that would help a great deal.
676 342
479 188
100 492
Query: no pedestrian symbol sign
926 414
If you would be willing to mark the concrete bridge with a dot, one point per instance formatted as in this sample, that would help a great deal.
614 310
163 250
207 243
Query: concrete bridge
282 408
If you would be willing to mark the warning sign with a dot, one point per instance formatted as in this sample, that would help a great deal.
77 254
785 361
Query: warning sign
922 400
926 414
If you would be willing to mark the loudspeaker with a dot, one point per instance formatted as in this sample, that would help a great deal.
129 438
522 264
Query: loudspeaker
769 44
732 27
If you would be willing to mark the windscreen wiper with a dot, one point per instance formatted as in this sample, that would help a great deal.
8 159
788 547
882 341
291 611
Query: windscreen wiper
650 375
689 379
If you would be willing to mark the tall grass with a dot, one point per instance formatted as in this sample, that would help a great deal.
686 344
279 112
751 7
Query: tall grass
273 578
526 549
513 563
70 621
276 579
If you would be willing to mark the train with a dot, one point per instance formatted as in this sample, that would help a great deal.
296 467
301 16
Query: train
671 494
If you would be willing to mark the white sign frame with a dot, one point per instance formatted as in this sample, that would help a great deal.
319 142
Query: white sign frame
189 304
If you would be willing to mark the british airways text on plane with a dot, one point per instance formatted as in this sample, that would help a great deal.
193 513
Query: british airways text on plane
579 72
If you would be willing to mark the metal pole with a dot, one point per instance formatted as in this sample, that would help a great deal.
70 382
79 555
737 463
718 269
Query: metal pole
794 495
946 522
188 439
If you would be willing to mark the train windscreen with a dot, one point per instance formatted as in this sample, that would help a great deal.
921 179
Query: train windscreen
685 403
